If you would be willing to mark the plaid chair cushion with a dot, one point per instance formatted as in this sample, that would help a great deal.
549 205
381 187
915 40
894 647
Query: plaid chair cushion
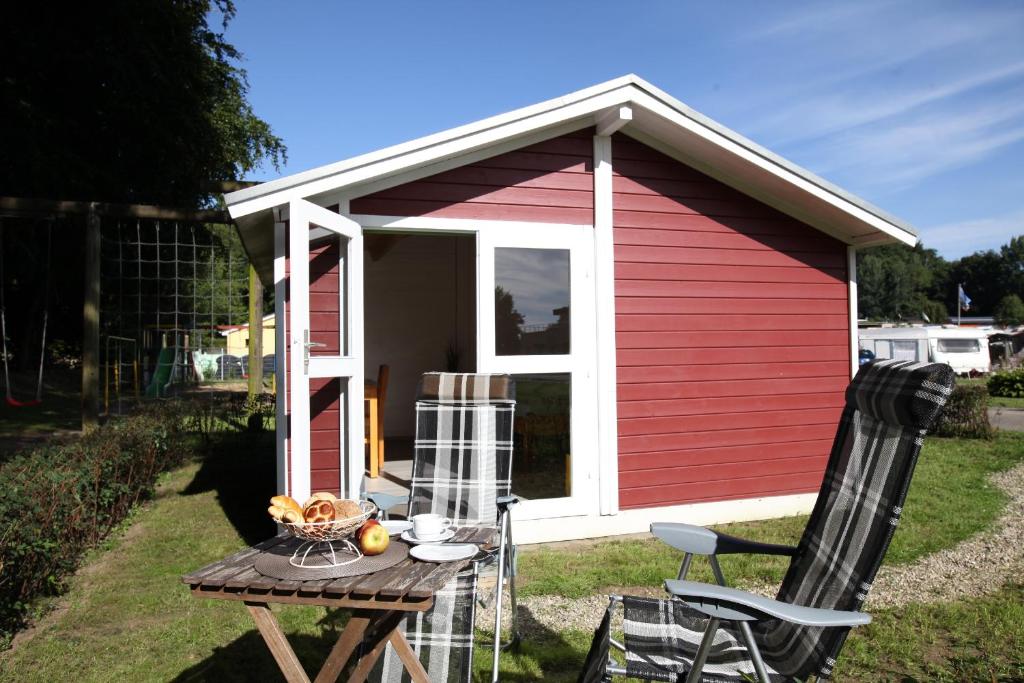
462 459
442 636
449 387
901 392
662 636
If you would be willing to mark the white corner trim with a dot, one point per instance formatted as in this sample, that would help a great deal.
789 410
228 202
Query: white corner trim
639 520
604 283
614 119
851 272
281 357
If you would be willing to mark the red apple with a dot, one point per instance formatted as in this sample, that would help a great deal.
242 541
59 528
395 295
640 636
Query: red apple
374 540
366 525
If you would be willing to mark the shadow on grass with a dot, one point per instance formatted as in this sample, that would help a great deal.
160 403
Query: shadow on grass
240 468
542 654
248 659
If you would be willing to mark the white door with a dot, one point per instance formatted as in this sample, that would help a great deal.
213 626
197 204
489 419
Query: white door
308 224
536 321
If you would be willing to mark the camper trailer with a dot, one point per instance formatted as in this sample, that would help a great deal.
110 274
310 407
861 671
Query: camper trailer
963 349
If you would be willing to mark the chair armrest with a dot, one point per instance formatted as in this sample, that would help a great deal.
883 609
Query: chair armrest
701 541
386 501
737 605
505 502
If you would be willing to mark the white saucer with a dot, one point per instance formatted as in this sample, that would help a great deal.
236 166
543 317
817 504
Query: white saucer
408 537
395 526
444 553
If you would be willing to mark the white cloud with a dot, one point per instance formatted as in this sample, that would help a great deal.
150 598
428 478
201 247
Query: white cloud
954 240
900 155
845 109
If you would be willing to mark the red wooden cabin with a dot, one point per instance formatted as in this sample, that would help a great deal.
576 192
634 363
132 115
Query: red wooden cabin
677 304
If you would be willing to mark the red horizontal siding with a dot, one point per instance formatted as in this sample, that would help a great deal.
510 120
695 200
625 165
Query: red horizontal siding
732 331
683 272
737 488
716 388
719 405
696 457
548 182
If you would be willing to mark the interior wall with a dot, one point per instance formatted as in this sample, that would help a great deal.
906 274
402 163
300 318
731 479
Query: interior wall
419 300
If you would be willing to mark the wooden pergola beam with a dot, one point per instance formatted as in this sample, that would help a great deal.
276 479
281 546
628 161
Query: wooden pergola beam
20 206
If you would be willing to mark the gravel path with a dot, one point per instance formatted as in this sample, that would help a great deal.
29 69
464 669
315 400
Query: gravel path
979 565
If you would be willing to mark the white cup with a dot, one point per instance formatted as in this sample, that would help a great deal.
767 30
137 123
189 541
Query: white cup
429 527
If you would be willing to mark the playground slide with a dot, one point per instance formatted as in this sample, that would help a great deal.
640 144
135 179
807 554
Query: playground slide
162 376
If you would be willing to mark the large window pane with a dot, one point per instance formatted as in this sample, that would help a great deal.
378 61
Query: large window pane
542 460
531 301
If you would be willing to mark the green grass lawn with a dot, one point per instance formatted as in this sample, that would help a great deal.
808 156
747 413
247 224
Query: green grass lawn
127 616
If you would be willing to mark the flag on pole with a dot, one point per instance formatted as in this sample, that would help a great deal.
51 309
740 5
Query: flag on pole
965 301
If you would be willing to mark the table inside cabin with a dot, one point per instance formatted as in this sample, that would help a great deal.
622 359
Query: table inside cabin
378 600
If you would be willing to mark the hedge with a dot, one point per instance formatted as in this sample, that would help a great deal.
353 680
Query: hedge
58 501
1008 384
966 414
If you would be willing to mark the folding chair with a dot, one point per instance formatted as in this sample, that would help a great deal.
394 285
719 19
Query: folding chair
462 469
707 632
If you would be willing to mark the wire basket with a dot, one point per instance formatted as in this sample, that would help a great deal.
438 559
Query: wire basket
335 530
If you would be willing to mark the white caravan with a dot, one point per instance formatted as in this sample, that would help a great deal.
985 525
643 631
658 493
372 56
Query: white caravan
965 349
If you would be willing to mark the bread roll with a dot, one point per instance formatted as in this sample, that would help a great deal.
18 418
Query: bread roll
344 509
287 503
319 511
285 514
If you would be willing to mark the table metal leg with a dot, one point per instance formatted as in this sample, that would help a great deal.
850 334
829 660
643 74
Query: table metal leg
272 634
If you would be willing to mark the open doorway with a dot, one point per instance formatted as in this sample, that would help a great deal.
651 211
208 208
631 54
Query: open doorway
420 316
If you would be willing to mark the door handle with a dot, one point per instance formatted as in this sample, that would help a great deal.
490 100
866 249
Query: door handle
306 346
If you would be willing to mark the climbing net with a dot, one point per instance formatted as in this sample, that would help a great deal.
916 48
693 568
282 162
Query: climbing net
176 288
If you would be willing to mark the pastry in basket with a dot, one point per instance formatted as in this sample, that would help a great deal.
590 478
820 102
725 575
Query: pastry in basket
284 509
344 509
319 495
319 511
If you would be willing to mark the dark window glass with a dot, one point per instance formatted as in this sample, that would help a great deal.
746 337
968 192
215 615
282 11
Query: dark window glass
531 301
542 461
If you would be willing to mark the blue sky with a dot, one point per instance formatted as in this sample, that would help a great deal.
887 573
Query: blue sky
915 106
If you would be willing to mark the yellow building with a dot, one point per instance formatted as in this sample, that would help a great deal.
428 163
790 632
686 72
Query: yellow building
238 338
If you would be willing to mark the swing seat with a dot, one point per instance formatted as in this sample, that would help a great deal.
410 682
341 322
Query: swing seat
15 403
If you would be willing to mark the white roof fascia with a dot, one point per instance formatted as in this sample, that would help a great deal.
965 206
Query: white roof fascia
608 96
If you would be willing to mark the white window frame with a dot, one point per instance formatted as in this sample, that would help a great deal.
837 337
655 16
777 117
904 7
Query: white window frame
580 363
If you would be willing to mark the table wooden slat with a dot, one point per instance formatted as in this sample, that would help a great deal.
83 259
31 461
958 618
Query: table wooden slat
231 560
436 580
374 582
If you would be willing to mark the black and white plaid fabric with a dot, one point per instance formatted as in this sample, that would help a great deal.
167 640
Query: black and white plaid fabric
889 407
462 462
462 459
442 636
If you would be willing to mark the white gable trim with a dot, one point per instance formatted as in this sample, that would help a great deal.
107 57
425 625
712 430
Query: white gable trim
627 102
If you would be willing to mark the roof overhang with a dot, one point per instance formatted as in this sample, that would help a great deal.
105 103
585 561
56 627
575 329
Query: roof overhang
629 104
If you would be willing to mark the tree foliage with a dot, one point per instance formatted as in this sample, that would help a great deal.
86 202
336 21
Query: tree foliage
124 101
1010 311
898 283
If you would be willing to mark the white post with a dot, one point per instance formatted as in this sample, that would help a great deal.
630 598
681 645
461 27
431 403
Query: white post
851 273
604 284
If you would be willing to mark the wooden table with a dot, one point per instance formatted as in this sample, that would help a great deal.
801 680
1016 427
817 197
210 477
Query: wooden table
379 602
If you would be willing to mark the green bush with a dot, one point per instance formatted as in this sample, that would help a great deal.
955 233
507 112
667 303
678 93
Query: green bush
1007 384
966 414
58 501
